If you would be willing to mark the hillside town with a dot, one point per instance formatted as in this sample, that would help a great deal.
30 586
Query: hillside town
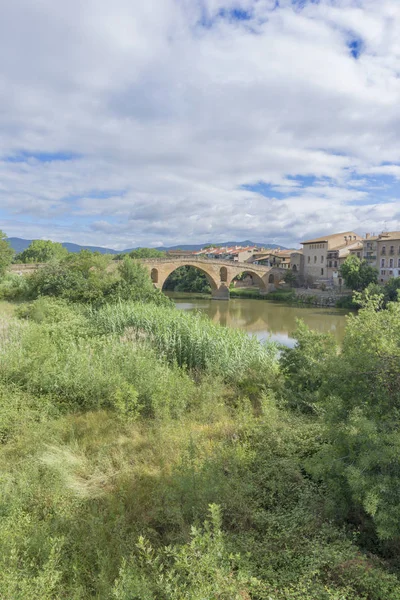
319 260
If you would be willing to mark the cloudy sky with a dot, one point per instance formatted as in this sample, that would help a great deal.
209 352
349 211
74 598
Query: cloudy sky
132 122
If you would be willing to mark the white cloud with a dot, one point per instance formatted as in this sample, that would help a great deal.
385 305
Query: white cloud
174 106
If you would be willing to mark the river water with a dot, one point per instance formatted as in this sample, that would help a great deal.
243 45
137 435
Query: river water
266 320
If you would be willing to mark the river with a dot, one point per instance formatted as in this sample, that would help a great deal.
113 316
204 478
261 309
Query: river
266 320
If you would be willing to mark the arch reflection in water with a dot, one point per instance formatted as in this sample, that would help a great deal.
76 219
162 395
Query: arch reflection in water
267 320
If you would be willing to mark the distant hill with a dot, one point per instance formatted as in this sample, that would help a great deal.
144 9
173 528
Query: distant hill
19 244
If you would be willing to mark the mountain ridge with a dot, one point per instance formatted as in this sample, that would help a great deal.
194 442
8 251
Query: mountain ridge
20 244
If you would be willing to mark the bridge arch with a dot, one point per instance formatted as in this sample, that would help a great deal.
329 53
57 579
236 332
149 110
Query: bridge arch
257 279
211 281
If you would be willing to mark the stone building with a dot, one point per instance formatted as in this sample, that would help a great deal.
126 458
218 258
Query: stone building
383 252
315 252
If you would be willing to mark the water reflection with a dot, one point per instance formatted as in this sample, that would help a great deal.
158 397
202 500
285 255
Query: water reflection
266 320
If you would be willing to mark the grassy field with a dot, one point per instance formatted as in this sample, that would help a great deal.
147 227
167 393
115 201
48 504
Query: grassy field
147 454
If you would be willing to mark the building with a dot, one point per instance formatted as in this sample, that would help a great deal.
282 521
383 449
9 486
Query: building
383 252
235 253
336 258
297 263
316 252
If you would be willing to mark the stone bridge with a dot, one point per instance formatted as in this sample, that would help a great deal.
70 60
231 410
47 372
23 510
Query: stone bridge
219 273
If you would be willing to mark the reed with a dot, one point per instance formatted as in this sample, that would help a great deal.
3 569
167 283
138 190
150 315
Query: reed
191 340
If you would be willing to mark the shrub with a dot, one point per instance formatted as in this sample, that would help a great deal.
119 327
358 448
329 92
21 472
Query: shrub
14 287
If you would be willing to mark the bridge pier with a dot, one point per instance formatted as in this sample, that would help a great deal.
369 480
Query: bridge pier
220 293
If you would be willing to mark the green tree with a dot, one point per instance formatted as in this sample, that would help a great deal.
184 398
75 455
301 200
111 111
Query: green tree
358 274
290 278
146 253
6 253
41 251
305 366
361 397
135 284
392 290
188 279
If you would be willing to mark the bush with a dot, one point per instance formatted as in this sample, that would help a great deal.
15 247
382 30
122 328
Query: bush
305 367
14 287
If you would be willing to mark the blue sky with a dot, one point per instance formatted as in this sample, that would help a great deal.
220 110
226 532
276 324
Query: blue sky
199 120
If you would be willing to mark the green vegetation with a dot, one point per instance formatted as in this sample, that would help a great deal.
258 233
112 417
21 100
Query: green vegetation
6 253
84 277
149 454
357 273
146 253
245 293
282 296
41 251
188 279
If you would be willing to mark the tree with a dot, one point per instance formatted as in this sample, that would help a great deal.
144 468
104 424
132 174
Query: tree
361 397
6 253
41 251
290 278
358 274
392 290
146 253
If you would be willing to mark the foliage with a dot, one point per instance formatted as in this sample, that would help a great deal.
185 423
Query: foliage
6 253
188 279
348 301
290 278
392 290
146 253
135 284
358 274
14 287
190 340
305 366
124 427
202 568
41 251
89 278
361 393
245 293
282 296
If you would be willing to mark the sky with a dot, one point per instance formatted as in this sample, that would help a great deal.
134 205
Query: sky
167 122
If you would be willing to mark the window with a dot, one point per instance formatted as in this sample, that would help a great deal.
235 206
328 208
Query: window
322 271
383 249
391 249
330 263
335 263
359 254
315 259
322 259
391 263
309 259
383 272
398 263
382 262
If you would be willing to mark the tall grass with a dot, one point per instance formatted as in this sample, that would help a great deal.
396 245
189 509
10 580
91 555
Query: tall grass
87 373
192 341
